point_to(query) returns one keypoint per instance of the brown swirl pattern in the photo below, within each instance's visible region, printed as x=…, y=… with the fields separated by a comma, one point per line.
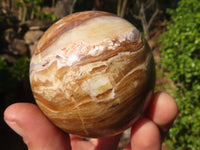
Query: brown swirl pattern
x=92, y=74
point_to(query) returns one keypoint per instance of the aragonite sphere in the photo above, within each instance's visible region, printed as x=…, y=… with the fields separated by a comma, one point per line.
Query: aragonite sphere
x=92, y=74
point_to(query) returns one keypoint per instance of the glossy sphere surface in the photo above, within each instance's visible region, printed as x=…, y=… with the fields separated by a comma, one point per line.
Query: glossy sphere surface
x=92, y=74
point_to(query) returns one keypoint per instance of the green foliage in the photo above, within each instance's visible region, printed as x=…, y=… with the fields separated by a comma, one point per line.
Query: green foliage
x=32, y=9
x=10, y=76
x=47, y=17
x=2, y=63
x=20, y=69
x=180, y=52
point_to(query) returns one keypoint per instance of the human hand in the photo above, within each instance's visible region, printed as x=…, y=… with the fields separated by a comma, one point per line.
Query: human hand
x=40, y=134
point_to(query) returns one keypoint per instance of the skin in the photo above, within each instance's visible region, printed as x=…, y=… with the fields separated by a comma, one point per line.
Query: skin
x=39, y=133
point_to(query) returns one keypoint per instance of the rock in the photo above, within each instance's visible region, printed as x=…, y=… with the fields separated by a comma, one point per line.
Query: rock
x=31, y=38
x=19, y=47
x=10, y=59
x=39, y=25
x=9, y=35
x=125, y=139
x=64, y=8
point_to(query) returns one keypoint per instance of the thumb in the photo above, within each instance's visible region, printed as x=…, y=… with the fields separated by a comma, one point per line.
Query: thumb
x=37, y=131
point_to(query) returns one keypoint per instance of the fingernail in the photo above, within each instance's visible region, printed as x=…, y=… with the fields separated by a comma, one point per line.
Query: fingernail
x=15, y=127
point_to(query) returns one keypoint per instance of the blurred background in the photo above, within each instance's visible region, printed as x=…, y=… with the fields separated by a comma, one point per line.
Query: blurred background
x=172, y=28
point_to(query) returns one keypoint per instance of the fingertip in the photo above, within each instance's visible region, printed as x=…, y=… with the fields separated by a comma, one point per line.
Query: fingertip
x=145, y=135
x=163, y=109
x=13, y=116
x=13, y=111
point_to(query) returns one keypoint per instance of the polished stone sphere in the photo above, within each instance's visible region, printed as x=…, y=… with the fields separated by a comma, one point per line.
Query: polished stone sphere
x=92, y=74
